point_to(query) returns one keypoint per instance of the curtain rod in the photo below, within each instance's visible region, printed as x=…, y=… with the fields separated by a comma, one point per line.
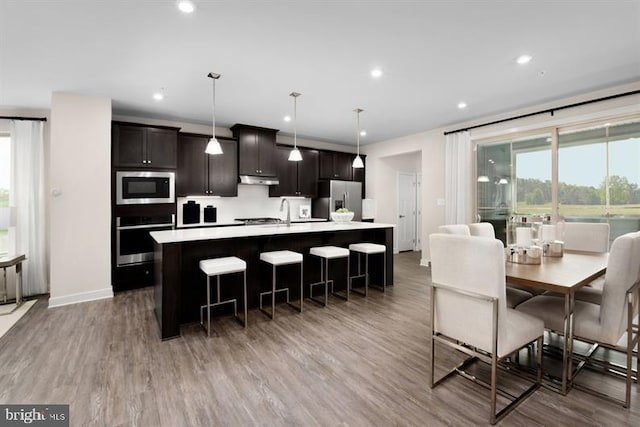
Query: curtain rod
x=35, y=119
x=549, y=110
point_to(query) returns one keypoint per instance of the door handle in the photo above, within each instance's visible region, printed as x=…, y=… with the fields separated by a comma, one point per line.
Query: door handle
x=400, y=216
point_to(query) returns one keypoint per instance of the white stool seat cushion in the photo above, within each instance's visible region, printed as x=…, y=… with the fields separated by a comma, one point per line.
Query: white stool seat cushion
x=281, y=257
x=329, y=252
x=367, y=248
x=225, y=265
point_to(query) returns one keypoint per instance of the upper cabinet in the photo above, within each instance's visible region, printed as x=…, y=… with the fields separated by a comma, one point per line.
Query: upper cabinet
x=142, y=146
x=336, y=165
x=203, y=174
x=256, y=150
x=296, y=178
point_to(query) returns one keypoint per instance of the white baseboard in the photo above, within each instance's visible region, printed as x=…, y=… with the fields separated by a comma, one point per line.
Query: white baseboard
x=424, y=262
x=81, y=297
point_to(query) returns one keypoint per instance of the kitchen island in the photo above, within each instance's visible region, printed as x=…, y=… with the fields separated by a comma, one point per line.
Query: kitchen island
x=180, y=286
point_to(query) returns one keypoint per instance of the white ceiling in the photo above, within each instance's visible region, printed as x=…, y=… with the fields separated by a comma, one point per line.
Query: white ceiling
x=434, y=54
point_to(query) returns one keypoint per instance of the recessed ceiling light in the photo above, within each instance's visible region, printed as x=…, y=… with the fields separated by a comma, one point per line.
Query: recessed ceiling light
x=158, y=96
x=186, y=6
x=462, y=105
x=363, y=133
x=523, y=59
x=376, y=72
x=287, y=118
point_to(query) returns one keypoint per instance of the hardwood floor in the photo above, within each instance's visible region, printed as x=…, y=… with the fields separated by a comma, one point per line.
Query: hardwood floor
x=357, y=363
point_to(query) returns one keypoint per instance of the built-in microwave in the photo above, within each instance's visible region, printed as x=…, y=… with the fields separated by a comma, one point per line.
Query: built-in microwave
x=135, y=187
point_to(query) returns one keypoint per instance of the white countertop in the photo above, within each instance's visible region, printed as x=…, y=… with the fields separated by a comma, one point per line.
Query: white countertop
x=210, y=224
x=228, y=223
x=214, y=233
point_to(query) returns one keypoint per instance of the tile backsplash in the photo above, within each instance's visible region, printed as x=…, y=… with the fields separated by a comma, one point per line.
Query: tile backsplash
x=252, y=201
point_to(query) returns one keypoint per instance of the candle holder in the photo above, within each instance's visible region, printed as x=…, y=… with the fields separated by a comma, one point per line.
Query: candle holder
x=519, y=255
x=553, y=249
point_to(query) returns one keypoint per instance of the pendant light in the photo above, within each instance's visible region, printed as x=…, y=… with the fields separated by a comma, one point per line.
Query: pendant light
x=213, y=147
x=357, y=162
x=295, y=155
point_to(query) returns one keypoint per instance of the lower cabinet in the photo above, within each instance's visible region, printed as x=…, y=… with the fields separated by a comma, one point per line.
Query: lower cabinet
x=203, y=174
x=296, y=178
x=132, y=277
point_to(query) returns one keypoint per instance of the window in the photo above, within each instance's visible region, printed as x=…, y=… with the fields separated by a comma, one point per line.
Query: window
x=599, y=171
x=514, y=177
x=5, y=175
x=598, y=176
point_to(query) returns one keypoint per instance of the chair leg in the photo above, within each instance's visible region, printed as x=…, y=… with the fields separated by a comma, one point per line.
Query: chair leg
x=301, y=286
x=245, y=299
x=494, y=387
x=326, y=280
x=209, y=305
x=273, y=292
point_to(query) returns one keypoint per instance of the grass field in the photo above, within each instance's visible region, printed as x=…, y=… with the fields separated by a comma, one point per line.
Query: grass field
x=579, y=210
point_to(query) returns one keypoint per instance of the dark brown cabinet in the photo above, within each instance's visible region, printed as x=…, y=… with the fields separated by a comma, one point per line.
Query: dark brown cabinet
x=336, y=165
x=203, y=174
x=296, y=178
x=144, y=146
x=358, y=173
x=256, y=150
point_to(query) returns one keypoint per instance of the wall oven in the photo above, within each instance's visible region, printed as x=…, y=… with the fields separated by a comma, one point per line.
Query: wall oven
x=137, y=187
x=134, y=245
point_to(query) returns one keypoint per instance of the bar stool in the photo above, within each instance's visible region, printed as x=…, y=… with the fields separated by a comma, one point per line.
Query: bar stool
x=276, y=258
x=217, y=267
x=326, y=253
x=368, y=249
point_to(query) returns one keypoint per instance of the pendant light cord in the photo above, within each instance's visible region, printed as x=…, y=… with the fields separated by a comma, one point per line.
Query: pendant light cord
x=213, y=108
x=295, y=122
x=358, y=132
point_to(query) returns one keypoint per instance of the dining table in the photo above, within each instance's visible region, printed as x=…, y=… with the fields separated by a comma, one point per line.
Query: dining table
x=563, y=275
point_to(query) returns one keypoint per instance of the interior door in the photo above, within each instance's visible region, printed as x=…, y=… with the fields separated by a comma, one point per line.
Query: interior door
x=406, y=211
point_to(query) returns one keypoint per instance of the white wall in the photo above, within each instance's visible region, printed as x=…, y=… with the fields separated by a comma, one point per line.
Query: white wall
x=432, y=146
x=80, y=216
x=381, y=179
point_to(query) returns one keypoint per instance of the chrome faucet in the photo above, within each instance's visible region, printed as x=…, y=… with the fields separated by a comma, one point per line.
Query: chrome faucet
x=288, y=220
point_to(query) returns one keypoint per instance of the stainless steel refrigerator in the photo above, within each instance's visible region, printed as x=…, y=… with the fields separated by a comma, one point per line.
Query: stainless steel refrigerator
x=333, y=195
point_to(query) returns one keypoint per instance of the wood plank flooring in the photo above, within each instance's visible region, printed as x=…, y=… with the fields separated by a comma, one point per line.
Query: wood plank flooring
x=357, y=363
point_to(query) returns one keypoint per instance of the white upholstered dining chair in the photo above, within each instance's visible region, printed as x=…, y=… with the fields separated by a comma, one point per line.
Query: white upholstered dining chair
x=588, y=237
x=584, y=236
x=606, y=323
x=515, y=295
x=469, y=310
x=482, y=229
x=460, y=229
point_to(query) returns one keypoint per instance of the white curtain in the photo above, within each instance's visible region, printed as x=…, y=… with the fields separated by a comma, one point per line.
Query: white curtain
x=27, y=196
x=458, y=180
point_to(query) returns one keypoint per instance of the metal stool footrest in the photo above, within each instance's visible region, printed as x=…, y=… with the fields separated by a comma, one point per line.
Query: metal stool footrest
x=214, y=304
x=269, y=293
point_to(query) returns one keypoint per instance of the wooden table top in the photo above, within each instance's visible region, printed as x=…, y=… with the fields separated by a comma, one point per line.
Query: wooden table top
x=559, y=274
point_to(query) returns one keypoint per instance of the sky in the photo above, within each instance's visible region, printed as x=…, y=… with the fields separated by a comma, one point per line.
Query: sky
x=584, y=165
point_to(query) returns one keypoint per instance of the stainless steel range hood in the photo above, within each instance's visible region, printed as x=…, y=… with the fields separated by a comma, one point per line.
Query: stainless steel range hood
x=259, y=180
